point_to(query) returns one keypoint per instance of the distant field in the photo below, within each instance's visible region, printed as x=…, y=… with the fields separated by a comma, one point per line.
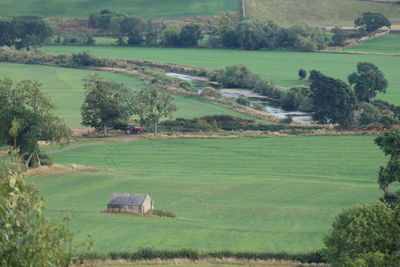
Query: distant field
x=64, y=86
x=277, y=66
x=389, y=44
x=256, y=194
x=144, y=8
x=319, y=12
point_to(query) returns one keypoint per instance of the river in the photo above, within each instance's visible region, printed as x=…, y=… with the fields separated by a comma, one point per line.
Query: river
x=199, y=83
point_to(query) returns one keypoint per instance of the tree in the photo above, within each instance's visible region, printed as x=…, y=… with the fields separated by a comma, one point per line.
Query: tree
x=171, y=36
x=133, y=27
x=24, y=31
x=334, y=101
x=338, y=38
x=152, y=105
x=390, y=144
x=250, y=35
x=226, y=30
x=27, y=238
x=302, y=74
x=366, y=234
x=105, y=103
x=190, y=35
x=27, y=117
x=370, y=22
x=368, y=80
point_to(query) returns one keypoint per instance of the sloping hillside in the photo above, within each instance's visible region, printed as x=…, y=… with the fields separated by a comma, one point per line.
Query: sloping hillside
x=320, y=12
x=144, y=8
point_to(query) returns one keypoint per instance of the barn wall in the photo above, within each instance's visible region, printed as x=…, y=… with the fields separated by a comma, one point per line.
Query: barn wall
x=122, y=208
x=147, y=204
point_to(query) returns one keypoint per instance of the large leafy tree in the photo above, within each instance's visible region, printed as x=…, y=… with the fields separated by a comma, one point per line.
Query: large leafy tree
x=365, y=235
x=390, y=175
x=190, y=35
x=24, y=31
x=334, y=101
x=370, y=22
x=27, y=238
x=27, y=116
x=105, y=103
x=250, y=34
x=152, y=105
x=368, y=80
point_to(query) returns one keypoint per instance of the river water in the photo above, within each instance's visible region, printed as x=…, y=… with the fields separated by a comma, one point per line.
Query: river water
x=199, y=83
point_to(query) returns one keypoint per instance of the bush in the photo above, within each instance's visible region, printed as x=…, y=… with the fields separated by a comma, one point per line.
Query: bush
x=362, y=230
x=84, y=59
x=238, y=76
x=259, y=106
x=290, y=101
x=211, y=92
x=243, y=101
x=302, y=74
x=287, y=120
x=161, y=213
x=267, y=89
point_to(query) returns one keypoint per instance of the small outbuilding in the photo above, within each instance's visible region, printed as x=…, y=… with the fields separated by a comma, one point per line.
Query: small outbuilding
x=130, y=203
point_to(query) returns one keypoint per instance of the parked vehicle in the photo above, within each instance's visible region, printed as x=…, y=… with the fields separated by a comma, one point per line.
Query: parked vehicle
x=132, y=129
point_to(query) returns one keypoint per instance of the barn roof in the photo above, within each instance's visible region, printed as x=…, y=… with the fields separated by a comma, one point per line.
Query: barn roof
x=127, y=199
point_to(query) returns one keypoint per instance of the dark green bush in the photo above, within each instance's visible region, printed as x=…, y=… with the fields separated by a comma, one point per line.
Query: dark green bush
x=238, y=76
x=84, y=59
x=212, y=92
x=161, y=213
x=243, y=101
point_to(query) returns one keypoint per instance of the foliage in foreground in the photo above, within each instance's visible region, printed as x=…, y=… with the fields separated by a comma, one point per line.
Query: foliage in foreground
x=27, y=238
x=151, y=253
x=367, y=234
x=27, y=116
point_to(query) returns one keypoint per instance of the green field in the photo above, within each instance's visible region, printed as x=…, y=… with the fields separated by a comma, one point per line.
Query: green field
x=277, y=66
x=255, y=194
x=64, y=86
x=319, y=12
x=144, y=8
x=389, y=44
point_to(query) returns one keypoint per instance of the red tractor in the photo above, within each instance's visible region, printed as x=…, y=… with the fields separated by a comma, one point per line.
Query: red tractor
x=132, y=129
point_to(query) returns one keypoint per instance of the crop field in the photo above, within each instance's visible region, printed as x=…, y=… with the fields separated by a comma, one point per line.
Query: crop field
x=277, y=66
x=245, y=194
x=389, y=44
x=64, y=86
x=144, y=8
x=319, y=12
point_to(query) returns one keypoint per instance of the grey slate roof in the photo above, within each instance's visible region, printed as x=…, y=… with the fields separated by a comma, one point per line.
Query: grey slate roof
x=127, y=199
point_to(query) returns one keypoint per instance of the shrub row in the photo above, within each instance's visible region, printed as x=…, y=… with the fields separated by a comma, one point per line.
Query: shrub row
x=227, y=123
x=150, y=253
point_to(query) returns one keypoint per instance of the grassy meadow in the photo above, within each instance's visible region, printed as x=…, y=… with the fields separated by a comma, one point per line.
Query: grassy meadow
x=144, y=8
x=64, y=86
x=388, y=44
x=281, y=67
x=319, y=12
x=245, y=194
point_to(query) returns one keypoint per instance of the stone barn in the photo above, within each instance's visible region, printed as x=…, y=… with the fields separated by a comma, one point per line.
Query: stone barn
x=127, y=203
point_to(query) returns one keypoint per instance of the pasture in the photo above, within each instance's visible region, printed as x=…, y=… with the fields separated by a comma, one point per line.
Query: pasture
x=144, y=8
x=245, y=194
x=281, y=67
x=64, y=86
x=388, y=44
x=320, y=12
